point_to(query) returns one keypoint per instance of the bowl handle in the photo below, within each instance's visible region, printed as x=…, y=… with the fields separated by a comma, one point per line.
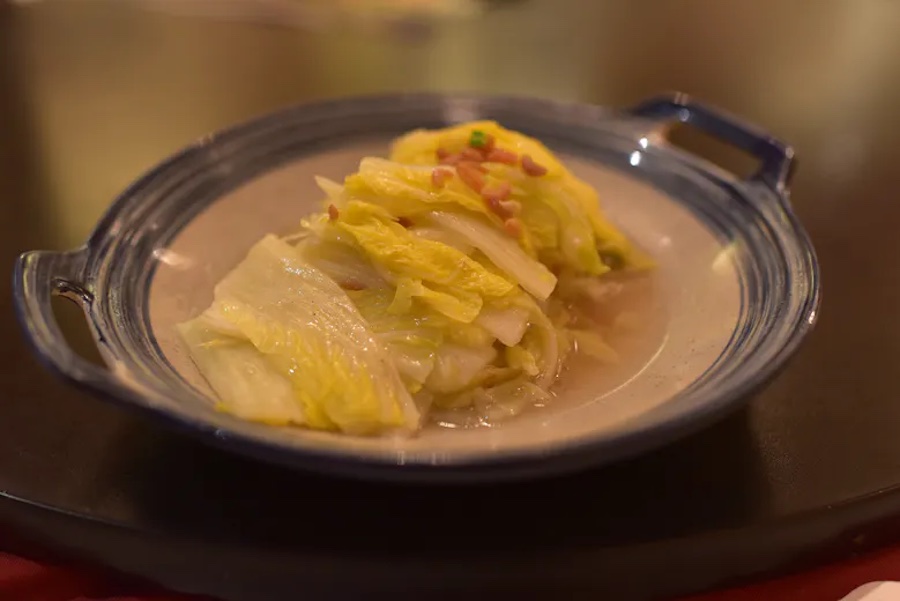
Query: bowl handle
x=776, y=157
x=38, y=276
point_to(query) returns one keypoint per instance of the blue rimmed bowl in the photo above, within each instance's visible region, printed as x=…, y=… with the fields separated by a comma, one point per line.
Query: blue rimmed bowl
x=737, y=281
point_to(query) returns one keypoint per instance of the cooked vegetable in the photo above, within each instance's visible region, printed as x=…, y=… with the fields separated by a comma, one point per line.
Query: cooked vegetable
x=502, y=250
x=308, y=337
x=441, y=275
x=478, y=139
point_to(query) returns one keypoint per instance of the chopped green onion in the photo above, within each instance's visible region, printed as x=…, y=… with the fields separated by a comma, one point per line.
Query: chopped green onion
x=478, y=139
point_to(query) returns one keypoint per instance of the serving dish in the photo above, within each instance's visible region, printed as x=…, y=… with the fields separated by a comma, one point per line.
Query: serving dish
x=737, y=274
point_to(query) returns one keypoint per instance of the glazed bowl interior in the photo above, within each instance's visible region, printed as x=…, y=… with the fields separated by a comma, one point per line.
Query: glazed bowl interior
x=696, y=309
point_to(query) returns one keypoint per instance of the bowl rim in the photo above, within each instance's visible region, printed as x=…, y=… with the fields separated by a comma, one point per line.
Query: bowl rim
x=66, y=273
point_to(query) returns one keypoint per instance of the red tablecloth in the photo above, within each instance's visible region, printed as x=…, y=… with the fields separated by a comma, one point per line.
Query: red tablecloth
x=29, y=580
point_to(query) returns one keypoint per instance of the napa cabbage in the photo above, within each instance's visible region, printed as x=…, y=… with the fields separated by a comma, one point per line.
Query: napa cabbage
x=437, y=277
x=299, y=344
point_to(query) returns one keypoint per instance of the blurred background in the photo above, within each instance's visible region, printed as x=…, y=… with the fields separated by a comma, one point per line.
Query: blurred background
x=101, y=90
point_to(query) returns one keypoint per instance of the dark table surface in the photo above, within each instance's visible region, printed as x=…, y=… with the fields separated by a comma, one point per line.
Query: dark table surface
x=94, y=93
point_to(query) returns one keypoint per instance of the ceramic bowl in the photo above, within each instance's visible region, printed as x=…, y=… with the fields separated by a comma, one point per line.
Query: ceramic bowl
x=737, y=279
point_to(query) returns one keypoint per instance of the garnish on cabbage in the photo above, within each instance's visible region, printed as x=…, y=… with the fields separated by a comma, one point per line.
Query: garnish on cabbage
x=433, y=280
